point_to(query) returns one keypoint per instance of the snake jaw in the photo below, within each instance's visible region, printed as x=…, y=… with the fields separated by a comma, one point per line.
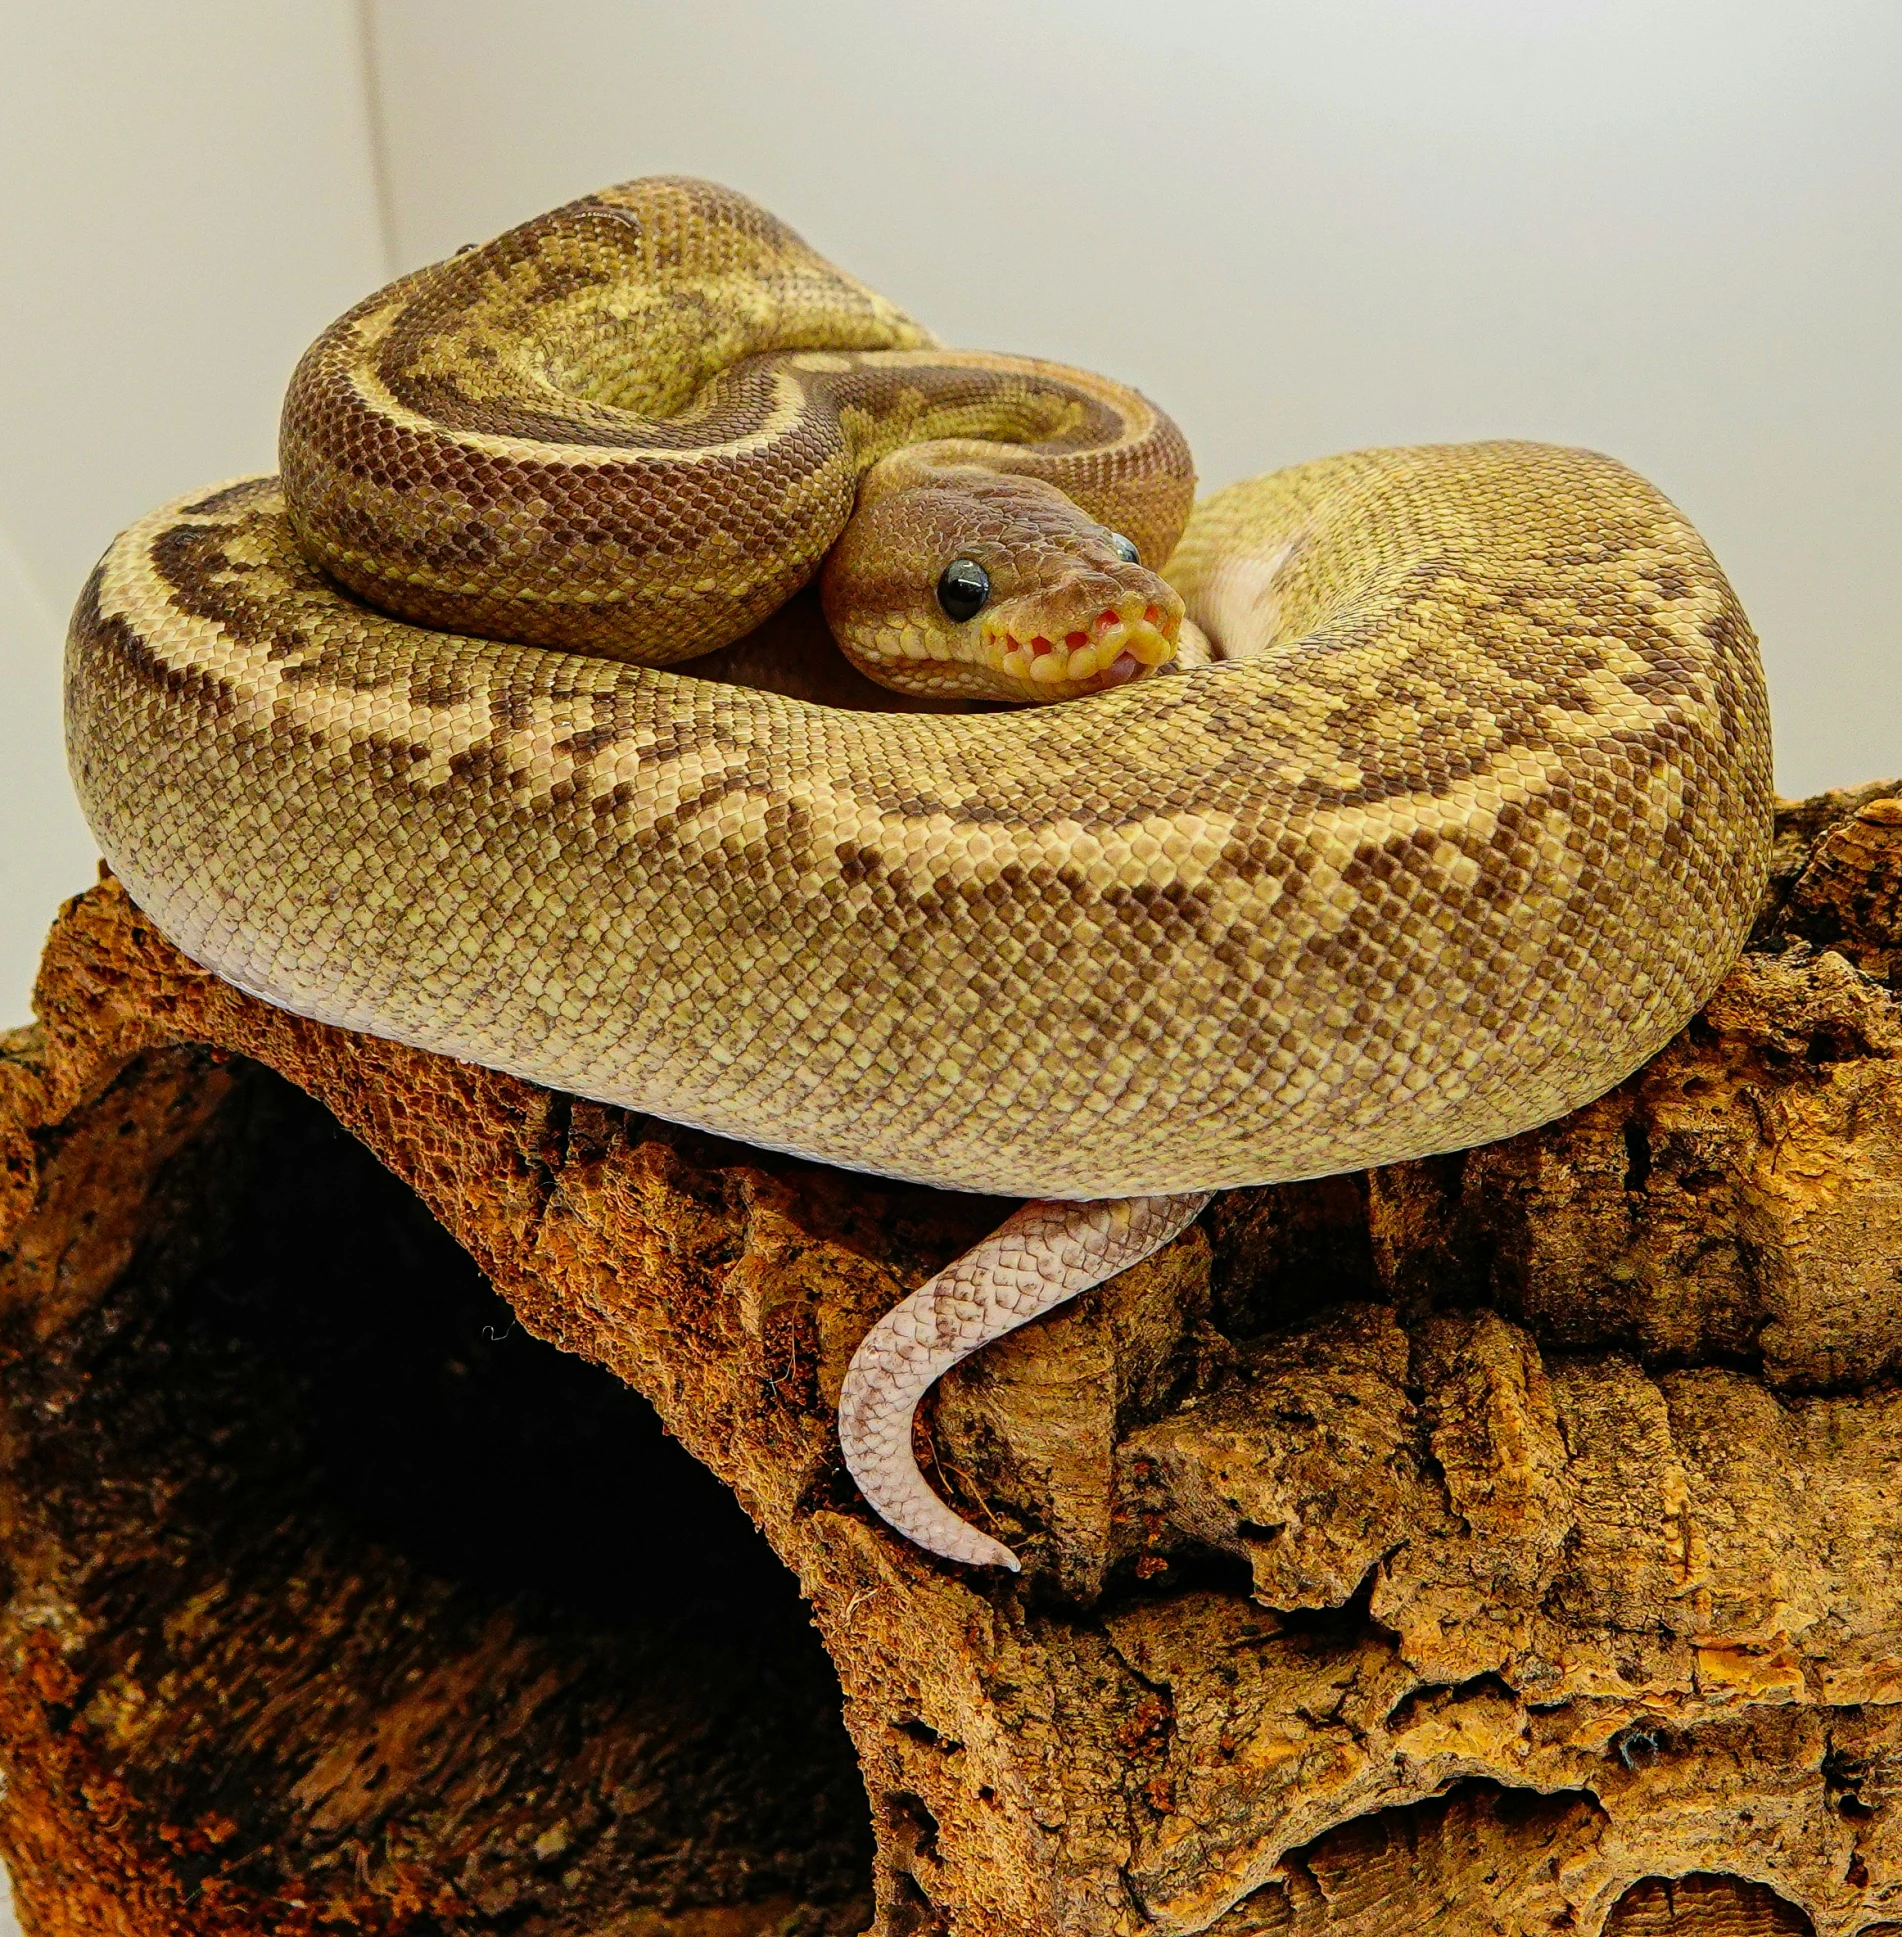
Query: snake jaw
x=1045, y=658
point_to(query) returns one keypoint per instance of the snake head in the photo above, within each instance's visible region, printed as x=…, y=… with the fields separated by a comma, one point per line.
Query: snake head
x=969, y=582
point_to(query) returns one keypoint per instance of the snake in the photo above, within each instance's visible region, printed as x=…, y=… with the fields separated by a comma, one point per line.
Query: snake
x=1135, y=848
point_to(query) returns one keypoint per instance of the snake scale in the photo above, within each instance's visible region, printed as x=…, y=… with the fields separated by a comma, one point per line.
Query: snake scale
x=1397, y=802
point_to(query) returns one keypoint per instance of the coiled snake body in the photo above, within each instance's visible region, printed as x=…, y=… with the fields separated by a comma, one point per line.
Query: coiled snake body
x=1452, y=808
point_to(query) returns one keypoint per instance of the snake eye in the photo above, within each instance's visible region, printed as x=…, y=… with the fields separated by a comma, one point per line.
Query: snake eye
x=963, y=586
x=1125, y=548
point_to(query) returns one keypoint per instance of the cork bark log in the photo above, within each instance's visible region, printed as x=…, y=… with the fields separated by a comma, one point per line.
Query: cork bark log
x=1506, y=1543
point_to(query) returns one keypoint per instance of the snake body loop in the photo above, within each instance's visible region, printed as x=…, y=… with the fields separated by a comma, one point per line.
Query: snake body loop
x=636, y=425
x=1467, y=815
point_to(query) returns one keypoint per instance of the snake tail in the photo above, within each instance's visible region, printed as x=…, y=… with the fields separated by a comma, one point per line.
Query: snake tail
x=1040, y=1257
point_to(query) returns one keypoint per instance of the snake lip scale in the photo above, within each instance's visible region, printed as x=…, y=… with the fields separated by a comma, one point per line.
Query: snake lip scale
x=1423, y=796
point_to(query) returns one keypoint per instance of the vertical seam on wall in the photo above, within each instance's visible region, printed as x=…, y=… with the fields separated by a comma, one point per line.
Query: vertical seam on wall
x=376, y=121
x=41, y=613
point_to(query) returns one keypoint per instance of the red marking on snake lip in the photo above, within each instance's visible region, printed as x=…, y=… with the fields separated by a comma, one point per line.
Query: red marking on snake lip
x=1040, y=645
x=1075, y=639
x=1152, y=615
x=1107, y=618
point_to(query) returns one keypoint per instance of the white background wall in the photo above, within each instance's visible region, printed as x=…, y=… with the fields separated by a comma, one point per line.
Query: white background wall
x=1668, y=228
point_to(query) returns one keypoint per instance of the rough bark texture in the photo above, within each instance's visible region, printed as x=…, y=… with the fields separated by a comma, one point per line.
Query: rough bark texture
x=1504, y=1543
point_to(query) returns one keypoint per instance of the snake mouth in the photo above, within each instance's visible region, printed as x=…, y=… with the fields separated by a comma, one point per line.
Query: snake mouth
x=1118, y=644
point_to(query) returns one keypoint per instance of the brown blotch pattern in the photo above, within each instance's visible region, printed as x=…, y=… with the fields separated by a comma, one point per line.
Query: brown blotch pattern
x=1473, y=828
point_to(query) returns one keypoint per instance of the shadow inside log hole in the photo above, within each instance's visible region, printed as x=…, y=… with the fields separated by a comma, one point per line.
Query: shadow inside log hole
x=380, y=1604
x=1704, y=1905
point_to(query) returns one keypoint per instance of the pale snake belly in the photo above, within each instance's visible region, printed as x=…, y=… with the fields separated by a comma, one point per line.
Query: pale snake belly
x=1463, y=814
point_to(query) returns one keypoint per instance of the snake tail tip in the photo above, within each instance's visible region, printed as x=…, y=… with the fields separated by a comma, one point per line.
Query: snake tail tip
x=994, y=1554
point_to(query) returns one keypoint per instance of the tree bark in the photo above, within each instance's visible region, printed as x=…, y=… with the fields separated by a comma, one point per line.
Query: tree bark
x=1504, y=1543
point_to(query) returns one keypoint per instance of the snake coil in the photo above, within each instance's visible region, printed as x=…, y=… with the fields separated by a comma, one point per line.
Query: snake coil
x=1463, y=816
